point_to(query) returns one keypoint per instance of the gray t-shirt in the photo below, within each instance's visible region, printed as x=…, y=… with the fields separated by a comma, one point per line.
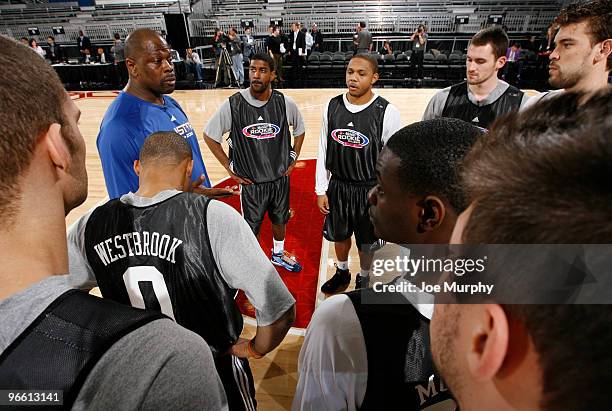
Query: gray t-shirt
x=416, y=44
x=151, y=368
x=241, y=261
x=435, y=107
x=542, y=97
x=118, y=51
x=364, y=39
x=221, y=122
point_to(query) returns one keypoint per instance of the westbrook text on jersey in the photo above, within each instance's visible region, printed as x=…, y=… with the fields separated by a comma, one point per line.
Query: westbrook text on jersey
x=140, y=244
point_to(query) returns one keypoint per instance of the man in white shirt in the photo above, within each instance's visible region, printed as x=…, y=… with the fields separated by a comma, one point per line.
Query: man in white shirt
x=369, y=350
x=356, y=125
x=194, y=64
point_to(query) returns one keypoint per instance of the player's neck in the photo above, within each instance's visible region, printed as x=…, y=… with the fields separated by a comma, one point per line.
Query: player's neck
x=144, y=94
x=591, y=83
x=482, y=90
x=361, y=100
x=153, y=183
x=34, y=246
x=263, y=96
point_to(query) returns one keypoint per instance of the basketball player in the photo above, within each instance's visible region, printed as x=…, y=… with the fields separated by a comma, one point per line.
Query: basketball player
x=183, y=254
x=261, y=156
x=359, y=355
x=102, y=355
x=141, y=109
x=582, y=58
x=483, y=97
x=543, y=177
x=356, y=125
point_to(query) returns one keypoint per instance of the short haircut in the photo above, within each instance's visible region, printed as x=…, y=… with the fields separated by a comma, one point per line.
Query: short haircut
x=166, y=146
x=597, y=14
x=431, y=153
x=496, y=37
x=117, y=36
x=265, y=58
x=135, y=43
x=369, y=58
x=543, y=177
x=51, y=37
x=28, y=109
x=362, y=24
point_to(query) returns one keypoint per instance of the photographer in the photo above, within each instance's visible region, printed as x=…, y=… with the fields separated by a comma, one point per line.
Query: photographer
x=419, y=41
x=237, y=57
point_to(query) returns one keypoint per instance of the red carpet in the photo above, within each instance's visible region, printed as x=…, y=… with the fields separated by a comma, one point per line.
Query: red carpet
x=304, y=240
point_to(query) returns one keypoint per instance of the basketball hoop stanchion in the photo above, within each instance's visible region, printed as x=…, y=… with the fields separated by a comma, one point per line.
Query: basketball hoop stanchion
x=226, y=61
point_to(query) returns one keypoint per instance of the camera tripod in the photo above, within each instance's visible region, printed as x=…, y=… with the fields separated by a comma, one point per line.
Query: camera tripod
x=225, y=63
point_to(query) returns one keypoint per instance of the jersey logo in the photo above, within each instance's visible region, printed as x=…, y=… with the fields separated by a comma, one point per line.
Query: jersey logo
x=475, y=120
x=350, y=138
x=261, y=131
x=172, y=118
x=350, y=124
x=185, y=130
x=260, y=118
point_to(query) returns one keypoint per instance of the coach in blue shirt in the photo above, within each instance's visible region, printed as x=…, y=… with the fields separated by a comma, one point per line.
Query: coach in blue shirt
x=143, y=108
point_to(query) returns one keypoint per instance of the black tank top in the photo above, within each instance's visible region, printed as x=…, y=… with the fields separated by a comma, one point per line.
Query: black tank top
x=458, y=105
x=64, y=343
x=354, y=140
x=401, y=373
x=259, y=141
x=159, y=257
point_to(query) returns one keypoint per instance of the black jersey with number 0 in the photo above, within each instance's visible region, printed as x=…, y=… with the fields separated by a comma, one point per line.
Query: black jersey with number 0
x=260, y=140
x=159, y=257
x=354, y=140
x=458, y=105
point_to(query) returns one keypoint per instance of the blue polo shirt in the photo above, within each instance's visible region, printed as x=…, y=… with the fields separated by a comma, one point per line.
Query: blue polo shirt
x=126, y=124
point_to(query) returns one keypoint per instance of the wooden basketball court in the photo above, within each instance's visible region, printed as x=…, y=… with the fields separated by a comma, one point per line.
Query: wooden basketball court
x=275, y=374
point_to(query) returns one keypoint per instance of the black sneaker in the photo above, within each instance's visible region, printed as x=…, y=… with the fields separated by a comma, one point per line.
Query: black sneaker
x=338, y=283
x=362, y=282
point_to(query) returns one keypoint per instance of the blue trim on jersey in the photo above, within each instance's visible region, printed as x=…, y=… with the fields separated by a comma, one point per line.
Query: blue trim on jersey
x=126, y=124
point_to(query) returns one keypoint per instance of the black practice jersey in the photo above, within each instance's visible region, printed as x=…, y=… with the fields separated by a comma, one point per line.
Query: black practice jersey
x=260, y=140
x=458, y=105
x=159, y=257
x=401, y=374
x=354, y=140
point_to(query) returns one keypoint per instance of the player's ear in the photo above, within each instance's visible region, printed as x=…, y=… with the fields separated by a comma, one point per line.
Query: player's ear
x=488, y=341
x=604, y=52
x=374, y=78
x=431, y=214
x=131, y=67
x=56, y=146
x=137, y=167
x=189, y=170
x=501, y=62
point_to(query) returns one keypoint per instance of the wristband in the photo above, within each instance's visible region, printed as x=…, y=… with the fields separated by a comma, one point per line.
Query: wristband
x=252, y=351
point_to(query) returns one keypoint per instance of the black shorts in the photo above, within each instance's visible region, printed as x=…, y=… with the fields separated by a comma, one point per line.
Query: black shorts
x=237, y=379
x=348, y=213
x=259, y=198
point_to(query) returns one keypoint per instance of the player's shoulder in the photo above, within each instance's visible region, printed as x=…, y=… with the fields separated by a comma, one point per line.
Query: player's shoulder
x=332, y=312
x=172, y=101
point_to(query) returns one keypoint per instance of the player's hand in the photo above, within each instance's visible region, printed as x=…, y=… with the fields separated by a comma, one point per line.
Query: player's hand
x=241, y=180
x=291, y=167
x=323, y=204
x=217, y=192
x=241, y=348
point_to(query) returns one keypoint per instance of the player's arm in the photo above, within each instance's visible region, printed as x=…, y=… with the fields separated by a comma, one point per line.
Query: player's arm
x=299, y=130
x=435, y=107
x=219, y=124
x=244, y=266
x=322, y=174
x=391, y=122
x=80, y=273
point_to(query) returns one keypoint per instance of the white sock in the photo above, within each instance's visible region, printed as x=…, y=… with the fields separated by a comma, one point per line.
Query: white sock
x=279, y=246
x=364, y=273
x=343, y=265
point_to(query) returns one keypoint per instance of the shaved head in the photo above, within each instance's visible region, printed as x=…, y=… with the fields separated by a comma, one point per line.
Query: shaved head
x=143, y=41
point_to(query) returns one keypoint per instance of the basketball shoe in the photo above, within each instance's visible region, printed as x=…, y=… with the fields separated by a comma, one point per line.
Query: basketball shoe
x=287, y=261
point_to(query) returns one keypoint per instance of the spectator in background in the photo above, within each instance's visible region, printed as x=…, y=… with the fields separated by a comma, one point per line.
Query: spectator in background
x=364, y=38
x=297, y=48
x=37, y=48
x=101, y=56
x=309, y=41
x=25, y=41
x=83, y=43
x=514, y=63
x=419, y=43
x=237, y=57
x=386, y=48
x=275, y=50
x=267, y=40
x=248, y=42
x=194, y=65
x=118, y=51
x=55, y=52
x=546, y=48
x=317, y=37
